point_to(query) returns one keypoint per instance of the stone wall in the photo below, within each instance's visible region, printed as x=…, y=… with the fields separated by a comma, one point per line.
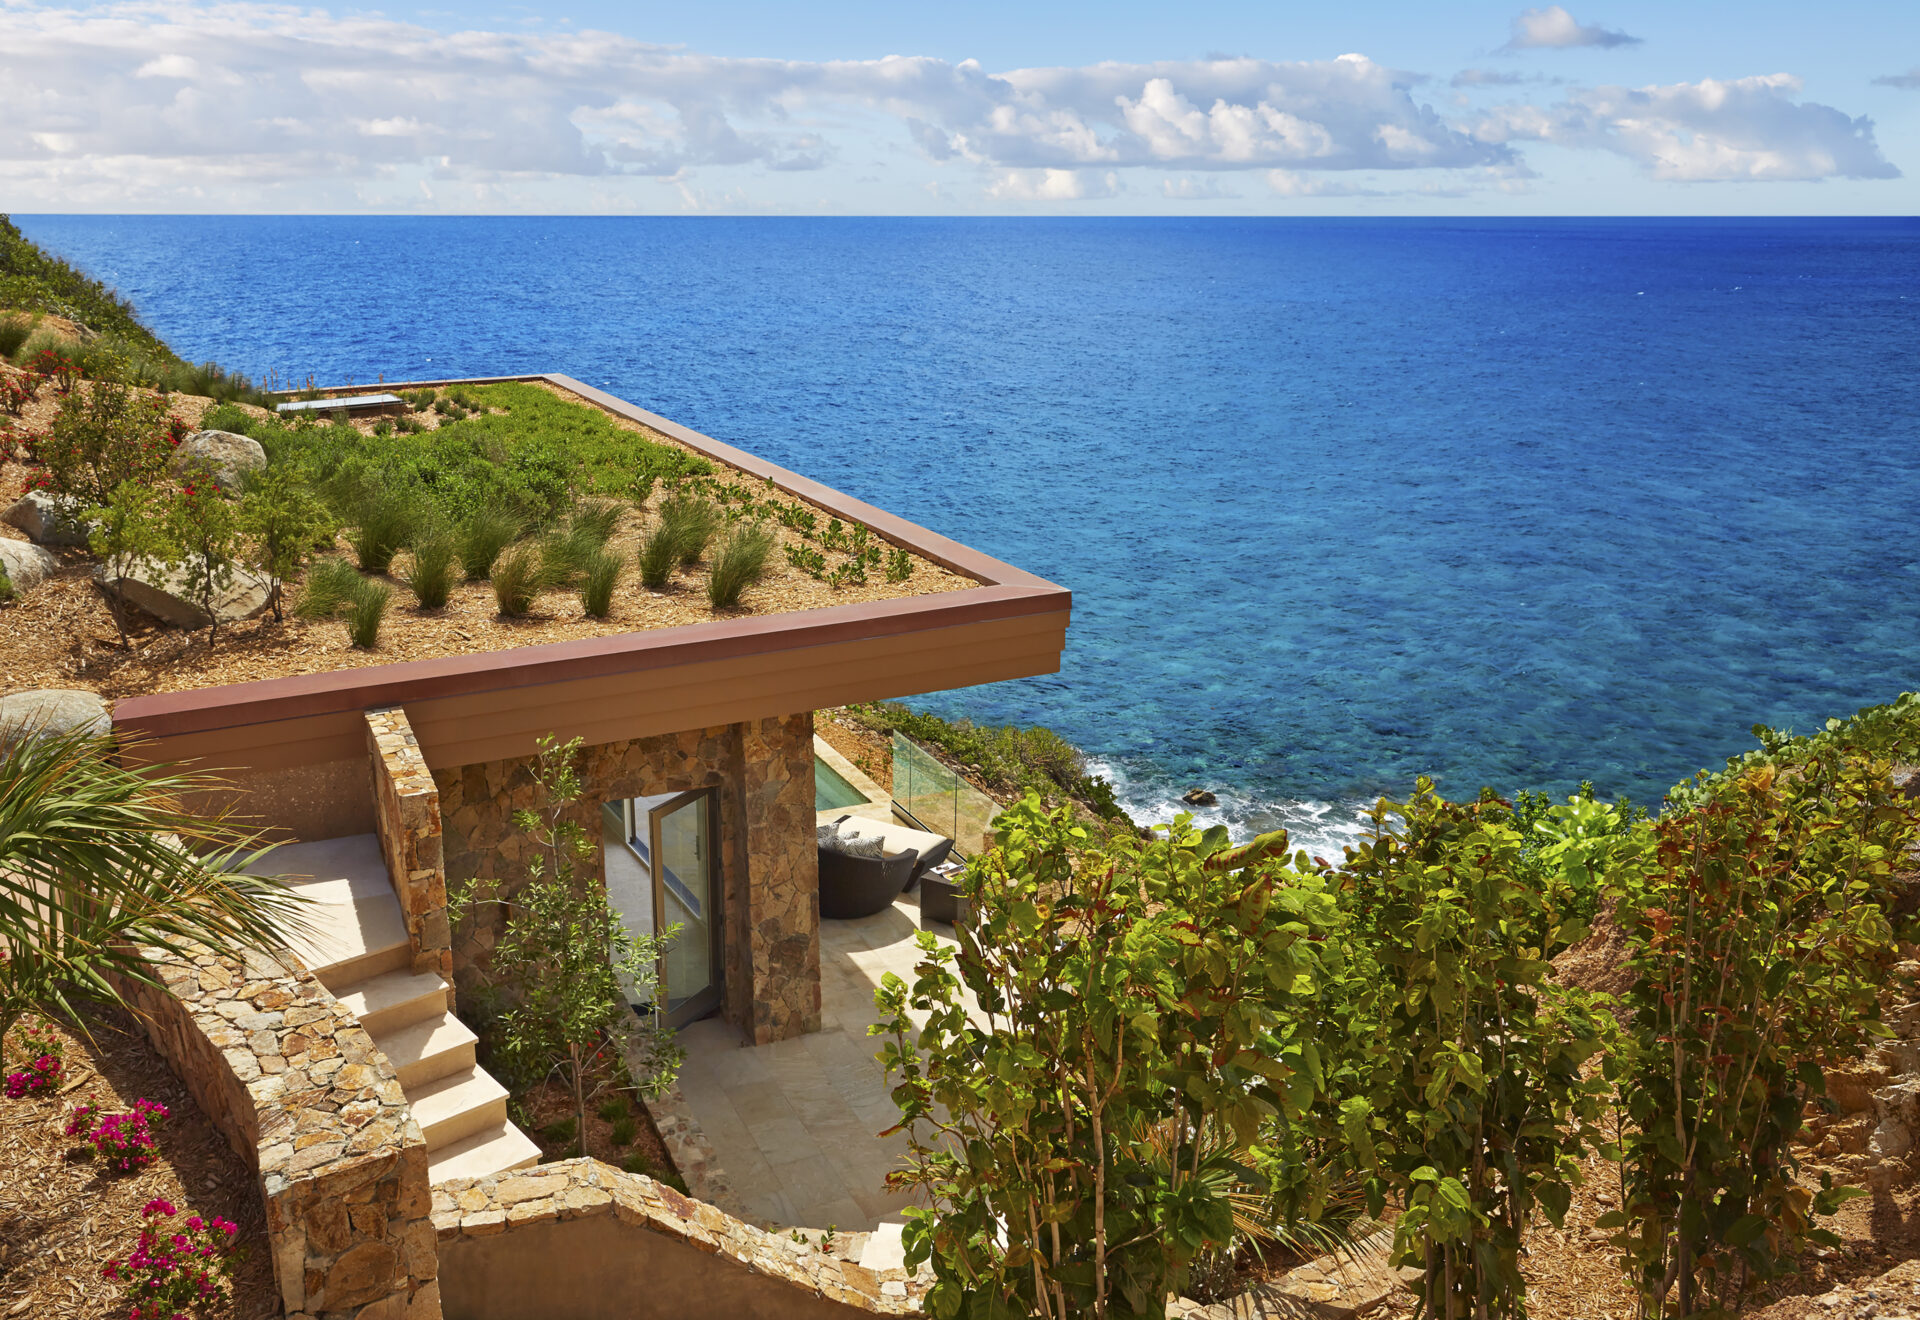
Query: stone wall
x=762, y=774
x=407, y=818
x=581, y=1240
x=299, y=1089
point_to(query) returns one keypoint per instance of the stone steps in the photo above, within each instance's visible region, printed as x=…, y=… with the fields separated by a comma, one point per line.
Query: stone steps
x=358, y=948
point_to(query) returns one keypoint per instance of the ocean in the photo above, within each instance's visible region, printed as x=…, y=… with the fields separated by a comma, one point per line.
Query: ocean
x=1341, y=502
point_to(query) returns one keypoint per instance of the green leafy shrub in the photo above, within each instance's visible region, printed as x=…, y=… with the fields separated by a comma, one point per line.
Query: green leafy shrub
x=899, y=565
x=740, y=561
x=1757, y=921
x=1143, y=1008
x=690, y=521
x=482, y=536
x=284, y=522
x=808, y=561
x=202, y=524
x=430, y=575
x=7, y=593
x=518, y=577
x=101, y=437
x=1465, y=1051
x=598, y=582
x=129, y=528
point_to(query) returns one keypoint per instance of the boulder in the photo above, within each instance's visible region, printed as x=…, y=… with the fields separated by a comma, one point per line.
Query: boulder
x=1198, y=797
x=226, y=456
x=48, y=520
x=162, y=591
x=27, y=564
x=51, y=710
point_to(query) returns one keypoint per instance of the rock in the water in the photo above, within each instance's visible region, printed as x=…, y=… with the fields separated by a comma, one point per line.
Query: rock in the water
x=1198, y=797
x=51, y=710
x=27, y=564
x=225, y=455
x=48, y=520
x=163, y=592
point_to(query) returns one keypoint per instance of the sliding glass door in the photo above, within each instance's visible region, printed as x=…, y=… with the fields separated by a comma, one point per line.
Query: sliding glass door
x=662, y=872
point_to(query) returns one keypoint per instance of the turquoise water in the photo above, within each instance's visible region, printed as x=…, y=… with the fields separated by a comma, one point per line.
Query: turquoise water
x=831, y=789
x=1507, y=502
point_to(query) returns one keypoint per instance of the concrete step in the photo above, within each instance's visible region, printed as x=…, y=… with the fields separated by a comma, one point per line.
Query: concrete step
x=357, y=930
x=453, y=1108
x=392, y=1000
x=491, y=1150
x=427, y=1050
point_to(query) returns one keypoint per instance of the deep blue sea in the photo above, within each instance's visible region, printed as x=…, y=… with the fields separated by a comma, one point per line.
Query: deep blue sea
x=1341, y=502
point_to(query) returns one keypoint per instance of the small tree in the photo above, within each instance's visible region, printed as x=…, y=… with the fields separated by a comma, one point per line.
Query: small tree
x=129, y=529
x=565, y=962
x=1146, y=1006
x=283, y=522
x=102, y=436
x=202, y=525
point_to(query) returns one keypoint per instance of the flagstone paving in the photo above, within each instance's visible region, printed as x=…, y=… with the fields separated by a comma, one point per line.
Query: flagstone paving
x=795, y=1124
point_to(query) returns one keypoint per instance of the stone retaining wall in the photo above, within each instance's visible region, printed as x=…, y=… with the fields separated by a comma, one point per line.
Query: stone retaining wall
x=299, y=1089
x=579, y=1240
x=406, y=808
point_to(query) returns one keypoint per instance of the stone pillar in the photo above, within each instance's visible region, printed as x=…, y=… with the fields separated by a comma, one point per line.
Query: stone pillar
x=783, y=876
x=406, y=808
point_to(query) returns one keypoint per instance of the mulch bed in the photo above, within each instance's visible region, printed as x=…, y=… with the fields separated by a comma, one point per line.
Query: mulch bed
x=62, y=1218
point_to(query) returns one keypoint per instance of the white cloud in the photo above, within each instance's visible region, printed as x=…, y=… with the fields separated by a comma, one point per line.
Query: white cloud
x=1553, y=28
x=1187, y=188
x=1053, y=185
x=159, y=104
x=1908, y=81
x=1742, y=129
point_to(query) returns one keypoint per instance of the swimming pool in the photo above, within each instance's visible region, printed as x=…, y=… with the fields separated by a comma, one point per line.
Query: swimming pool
x=831, y=789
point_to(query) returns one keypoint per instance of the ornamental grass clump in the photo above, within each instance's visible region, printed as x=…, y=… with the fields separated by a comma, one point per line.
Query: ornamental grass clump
x=430, y=575
x=479, y=540
x=178, y=1270
x=598, y=582
x=657, y=555
x=518, y=578
x=380, y=525
x=124, y=1143
x=366, y=611
x=334, y=590
x=740, y=561
x=690, y=522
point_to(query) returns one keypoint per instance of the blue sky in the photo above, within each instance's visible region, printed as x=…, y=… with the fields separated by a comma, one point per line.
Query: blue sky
x=994, y=107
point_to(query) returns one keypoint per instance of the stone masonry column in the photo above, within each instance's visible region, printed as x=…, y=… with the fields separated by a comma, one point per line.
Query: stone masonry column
x=783, y=877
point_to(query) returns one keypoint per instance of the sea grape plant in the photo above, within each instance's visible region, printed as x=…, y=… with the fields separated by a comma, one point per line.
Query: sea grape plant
x=1759, y=941
x=1462, y=1091
x=1144, y=1007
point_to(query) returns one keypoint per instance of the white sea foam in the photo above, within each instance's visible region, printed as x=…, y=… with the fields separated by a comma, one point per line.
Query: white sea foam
x=1324, y=829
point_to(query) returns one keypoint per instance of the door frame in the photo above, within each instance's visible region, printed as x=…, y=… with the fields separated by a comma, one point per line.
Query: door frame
x=708, y=1000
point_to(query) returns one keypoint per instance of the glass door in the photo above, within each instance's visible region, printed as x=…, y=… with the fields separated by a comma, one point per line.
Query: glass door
x=661, y=874
x=686, y=894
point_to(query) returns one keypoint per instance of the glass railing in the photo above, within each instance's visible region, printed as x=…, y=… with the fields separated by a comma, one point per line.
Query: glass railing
x=938, y=799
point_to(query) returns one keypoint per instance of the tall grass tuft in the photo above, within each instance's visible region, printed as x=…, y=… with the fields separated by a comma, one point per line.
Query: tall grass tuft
x=431, y=575
x=693, y=520
x=597, y=583
x=657, y=555
x=740, y=561
x=482, y=537
x=380, y=524
x=330, y=584
x=518, y=577
x=366, y=611
x=14, y=330
x=593, y=521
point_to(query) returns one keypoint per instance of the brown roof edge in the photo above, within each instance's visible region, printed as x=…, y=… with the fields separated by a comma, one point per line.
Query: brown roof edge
x=948, y=553
x=302, y=695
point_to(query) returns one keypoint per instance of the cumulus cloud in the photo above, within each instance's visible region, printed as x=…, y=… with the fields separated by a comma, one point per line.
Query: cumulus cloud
x=1187, y=188
x=151, y=104
x=1487, y=78
x=1553, y=28
x=1742, y=129
x=1908, y=81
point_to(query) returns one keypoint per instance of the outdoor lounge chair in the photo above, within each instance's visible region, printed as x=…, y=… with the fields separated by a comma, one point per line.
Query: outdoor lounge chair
x=861, y=886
